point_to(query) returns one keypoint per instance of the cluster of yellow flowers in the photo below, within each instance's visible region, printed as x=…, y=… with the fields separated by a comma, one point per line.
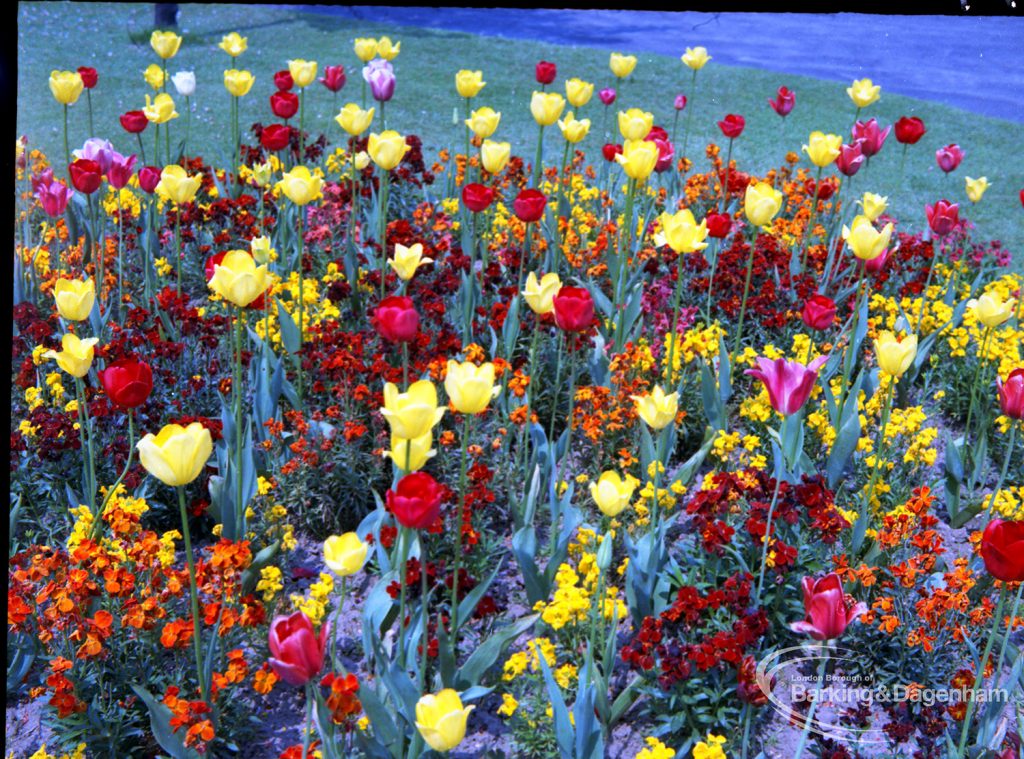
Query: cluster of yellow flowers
x=655, y=750
x=315, y=604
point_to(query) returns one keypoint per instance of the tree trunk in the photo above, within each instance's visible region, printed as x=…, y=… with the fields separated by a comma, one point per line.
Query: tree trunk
x=165, y=15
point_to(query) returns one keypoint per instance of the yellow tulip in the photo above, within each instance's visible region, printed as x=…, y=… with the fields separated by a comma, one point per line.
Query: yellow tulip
x=238, y=83
x=176, y=455
x=495, y=155
x=612, y=493
x=895, y=356
x=638, y=159
x=540, y=296
x=262, y=172
x=154, y=75
x=991, y=310
x=303, y=72
x=546, y=107
x=696, y=58
x=161, y=109
x=574, y=130
x=165, y=44
x=469, y=83
x=470, y=387
x=408, y=260
x=874, y=205
x=657, y=409
x=176, y=185
x=578, y=92
x=761, y=203
x=863, y=92
x=345, y=554
x=413, y=413
x=823, y=148
x=238, y=279
x=976, y=188
x=483, y=122
x=74, y=298
x=441, y=719
x=622, y=65
x=365, y=48
x=864, y=240
x=66, y=86
x=354, y=119
x=234, y=44
x=387, y=50
x=75, y=356
x=262, y=252
x=635, y=124
x=300, y=186
x=681, y=232
x=362, y=160
x=411, y=455
x=387, y=149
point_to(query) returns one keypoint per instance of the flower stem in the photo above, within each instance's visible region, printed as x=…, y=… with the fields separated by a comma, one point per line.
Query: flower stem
x=814, y=706
x=467, y=420
x=193, y=594
x=746, y=293
x=997, y=620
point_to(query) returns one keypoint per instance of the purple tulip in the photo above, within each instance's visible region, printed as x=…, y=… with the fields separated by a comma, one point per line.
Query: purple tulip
x=380, y=75
x=789, y=383
x=607, y=95
x=870, y=137
x=98, y=150
x=120, y=170
x=53, y=196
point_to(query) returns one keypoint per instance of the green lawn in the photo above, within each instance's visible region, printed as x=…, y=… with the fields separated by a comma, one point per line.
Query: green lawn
x=68, y=35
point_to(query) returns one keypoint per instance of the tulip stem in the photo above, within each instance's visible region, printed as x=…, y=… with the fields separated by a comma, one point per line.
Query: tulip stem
x=849, y=355
x=556, y=512
x=689, y=114
x=335, y=667
x=85, y=434
x=997, y=620
x=236, y=387
x=120, y=245
x=725, y=185
x=405, y=537
x=538, y=158
x=1002, y=474
x=423, y=662
x=67, y=151
x=302, y=299
x=466, y=172
x=113, y=488
x=810, y=224
x=746, y=293
x=193, y=594
x=309, y=720
x=656, y=482
x=178, y=246
x=768, y=533
x=382, y=213
x=670, y=365
x=711, y=281
x=974, y=386
x=523, y=256
x=302, y=124
x=814, y=705
x=624, y=251
x=460, y=515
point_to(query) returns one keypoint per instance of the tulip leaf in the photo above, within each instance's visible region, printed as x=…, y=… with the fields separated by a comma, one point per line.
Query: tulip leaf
x=468, y=604
x=384, y=726
x=160, y=722
x=487, y=653
x=845, y=443
x=564, y=730
x=524, y=547
x=289, y=330
x=589, y=741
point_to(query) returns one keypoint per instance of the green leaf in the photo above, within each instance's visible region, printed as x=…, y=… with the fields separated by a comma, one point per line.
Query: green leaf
x=160, y=722
x=289, y=330
x=487, y=653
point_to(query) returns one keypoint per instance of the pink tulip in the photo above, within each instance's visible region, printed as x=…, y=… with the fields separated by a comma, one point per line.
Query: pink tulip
x=333, y=78
x=296, y=654
x=607, y=95
x=850, y=159
x=828, y=611
x=875, y=266
x=789, y=383
x=98, y=150
x=1011, y=394
x=942, y=217
x=54, y=197
x=870, y=137
x=380, y=75
x=949, y=157
x=120, y=170
x=784, y=101
x=680, y=102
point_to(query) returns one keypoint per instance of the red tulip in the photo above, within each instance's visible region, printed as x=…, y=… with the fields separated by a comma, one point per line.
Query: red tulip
x=610, y=150
x=870, y=137
x=732, y=125
x=477, y=197
x=276, y=137
x=909, y=129
x=828, y=610
x=283, y=80
x=333, y=78
x=850, y=159
x=89, y=76
x=574, y=309
x=942, y=217
x=825, y=190
x=1011, y=394
x=134, y=121
x=296, y=652
x=396, y=319
x=1002, y=548
x=789, y=383
x=120, y=170
x=529, y=205
x=416, y=500
x=719, y=225
x=284, y=104
x=819, y=312
x=149, y=178
x=680, y=102
x=784, y=101
x=949, y=157
x=546, y=72
x=127, y=382
x=1022, y=197
x=86, y=175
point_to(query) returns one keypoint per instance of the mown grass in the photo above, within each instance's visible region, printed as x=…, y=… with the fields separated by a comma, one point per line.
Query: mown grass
x=68, y=35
